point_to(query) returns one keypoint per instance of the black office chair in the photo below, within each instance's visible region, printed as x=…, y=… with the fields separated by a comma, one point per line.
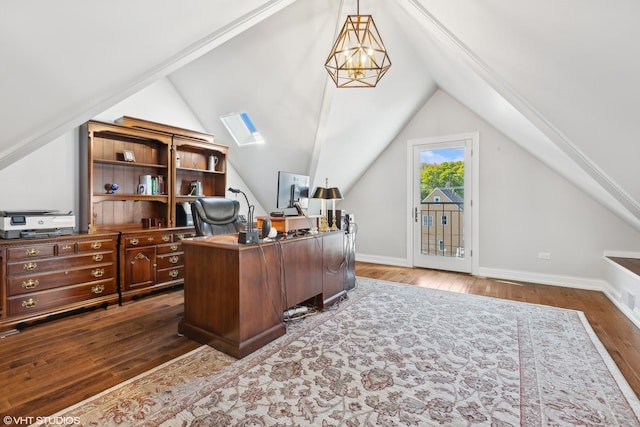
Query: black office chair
x=214, y=216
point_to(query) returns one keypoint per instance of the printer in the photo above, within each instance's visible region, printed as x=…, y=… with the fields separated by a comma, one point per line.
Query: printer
x=35, y=223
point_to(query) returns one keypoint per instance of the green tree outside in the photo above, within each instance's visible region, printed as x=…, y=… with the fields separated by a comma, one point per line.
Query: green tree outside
x=443, y=175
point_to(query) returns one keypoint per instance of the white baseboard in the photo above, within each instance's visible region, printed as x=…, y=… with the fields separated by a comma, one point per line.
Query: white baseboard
x=377, y=259
x=545, y=279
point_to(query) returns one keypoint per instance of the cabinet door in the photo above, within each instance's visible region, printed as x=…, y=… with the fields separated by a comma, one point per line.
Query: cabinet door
x=333, y=275
x=140, y=267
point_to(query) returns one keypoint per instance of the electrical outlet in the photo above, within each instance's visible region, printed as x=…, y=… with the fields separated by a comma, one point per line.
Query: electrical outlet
x=544, y=255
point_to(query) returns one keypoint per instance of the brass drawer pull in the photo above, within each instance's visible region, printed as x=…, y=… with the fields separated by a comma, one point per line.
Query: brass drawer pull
x=29, y=303
x=66, y=247
x=174, y=273
x=180, y=236
x=96, y=245
x=174, y=259
x=134, y=241
x=98, y=272
x=98, y=257
x=150, y=239
x=174, y=247
x=166, y=238
x=98, y=289
x=30, y=266
x=30, y=284
x=33, y=252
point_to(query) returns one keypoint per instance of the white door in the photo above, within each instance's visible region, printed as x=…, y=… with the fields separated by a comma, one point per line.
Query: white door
x=441, y=179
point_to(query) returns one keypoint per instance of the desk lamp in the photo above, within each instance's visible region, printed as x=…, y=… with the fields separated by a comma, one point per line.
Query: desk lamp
x=334, y=194
x=251, y=235
x=321, y=193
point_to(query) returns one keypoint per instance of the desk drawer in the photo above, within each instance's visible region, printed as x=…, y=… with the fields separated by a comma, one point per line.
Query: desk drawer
x=40, y=301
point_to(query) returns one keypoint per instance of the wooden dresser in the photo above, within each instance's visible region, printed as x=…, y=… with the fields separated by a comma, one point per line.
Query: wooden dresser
x=51, y=276
x=151, y=260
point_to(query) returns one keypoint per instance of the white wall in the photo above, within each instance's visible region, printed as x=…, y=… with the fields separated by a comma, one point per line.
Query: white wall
x=525, y=208
x=44, y=180
x=48, y=178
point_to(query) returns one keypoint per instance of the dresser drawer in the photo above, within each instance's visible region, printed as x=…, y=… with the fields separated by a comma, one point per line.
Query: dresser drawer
x=43, y=281
x=184, y=235
x=169, y=247
x=169, y=261
x=41, y=301
x=96, y=245
x=61, y=263
x=170, y=274
x=31, y=252
x=147, y=239
x=66, y=248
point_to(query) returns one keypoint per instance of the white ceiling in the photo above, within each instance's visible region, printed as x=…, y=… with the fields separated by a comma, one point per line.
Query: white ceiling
x=559, y=78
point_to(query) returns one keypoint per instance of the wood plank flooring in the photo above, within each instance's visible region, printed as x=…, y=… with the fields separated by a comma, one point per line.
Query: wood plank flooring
x=51, y=366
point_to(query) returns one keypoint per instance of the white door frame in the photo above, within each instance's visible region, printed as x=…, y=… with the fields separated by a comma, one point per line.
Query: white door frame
x=474, y=137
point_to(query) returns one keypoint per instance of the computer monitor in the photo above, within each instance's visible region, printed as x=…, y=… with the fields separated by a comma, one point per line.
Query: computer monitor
x=292, y=188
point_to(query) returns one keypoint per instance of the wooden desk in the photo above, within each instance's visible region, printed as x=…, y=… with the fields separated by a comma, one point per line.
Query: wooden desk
x=286, y=224
x=235, y=295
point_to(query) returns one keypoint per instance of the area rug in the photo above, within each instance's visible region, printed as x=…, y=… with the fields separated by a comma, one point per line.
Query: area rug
x=390, y=354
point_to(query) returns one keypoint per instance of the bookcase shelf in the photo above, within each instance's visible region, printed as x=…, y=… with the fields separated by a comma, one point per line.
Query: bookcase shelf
x=130, y=197
x=130, y=164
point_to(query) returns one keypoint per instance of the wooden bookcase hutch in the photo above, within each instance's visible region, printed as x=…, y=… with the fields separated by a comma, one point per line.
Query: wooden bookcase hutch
x=149, y=251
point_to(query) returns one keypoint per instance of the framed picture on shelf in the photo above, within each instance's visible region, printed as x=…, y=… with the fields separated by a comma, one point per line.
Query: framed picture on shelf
x=129, y=156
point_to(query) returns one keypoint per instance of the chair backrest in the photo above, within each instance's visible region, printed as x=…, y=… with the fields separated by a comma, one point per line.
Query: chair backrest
x=216, y=215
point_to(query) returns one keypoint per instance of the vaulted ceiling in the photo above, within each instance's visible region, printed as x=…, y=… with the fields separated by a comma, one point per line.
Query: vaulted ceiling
x=560, y=79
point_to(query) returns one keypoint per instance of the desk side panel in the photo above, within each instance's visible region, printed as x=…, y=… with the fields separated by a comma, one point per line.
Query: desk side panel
x=211, y=290
x=261, y=293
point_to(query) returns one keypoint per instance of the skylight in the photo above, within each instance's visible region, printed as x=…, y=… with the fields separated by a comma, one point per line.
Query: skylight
x=242, y=129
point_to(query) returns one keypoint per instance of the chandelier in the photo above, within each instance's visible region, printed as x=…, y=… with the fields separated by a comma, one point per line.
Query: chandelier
x=358, y=57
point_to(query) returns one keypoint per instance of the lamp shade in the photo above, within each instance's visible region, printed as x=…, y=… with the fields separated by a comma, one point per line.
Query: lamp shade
x=333, y=193
x=320, y=193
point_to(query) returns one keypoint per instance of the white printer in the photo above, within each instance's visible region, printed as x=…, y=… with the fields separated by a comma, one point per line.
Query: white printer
x=35, y=223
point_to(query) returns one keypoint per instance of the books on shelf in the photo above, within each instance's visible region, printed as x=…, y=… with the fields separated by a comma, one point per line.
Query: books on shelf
x=151, y=185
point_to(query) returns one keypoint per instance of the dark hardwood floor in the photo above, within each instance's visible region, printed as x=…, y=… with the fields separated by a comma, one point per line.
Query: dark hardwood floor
x=51, y=366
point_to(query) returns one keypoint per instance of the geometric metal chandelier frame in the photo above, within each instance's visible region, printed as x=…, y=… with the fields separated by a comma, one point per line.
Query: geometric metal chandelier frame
x=358, y=57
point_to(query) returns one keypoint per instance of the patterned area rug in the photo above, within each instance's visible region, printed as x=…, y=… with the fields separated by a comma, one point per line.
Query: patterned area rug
x=391, y=354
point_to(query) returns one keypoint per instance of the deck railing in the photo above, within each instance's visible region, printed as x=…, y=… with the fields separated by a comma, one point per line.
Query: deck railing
x=442, y=229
